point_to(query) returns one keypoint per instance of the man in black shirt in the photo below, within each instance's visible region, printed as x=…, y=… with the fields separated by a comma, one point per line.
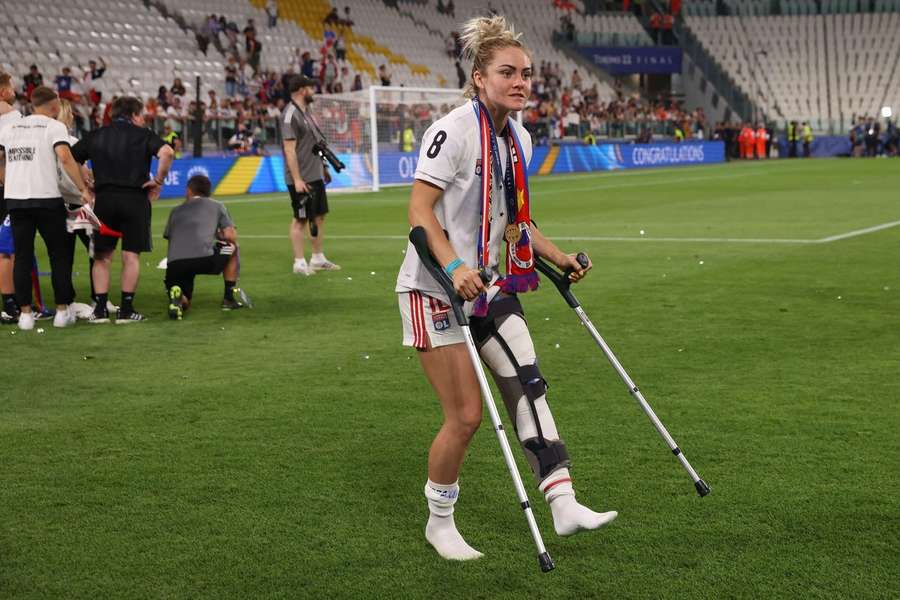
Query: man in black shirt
x=120, y=154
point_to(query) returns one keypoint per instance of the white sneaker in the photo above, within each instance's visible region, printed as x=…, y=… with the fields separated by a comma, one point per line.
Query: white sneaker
x=64, y=318
x=301, y=268
x=26, y=321
x=324, y=265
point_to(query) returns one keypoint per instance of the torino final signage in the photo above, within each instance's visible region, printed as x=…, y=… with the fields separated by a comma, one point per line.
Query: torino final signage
x=653, y=60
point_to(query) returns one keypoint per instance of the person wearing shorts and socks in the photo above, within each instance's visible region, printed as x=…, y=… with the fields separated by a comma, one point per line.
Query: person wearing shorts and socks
x=202, y=241
x=32, y=146
x=473, y=162
x=120, y=154
x=10, y=310
x=306, y=176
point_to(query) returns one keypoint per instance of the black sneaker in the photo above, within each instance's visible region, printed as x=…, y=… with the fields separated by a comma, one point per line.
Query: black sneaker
x=124, y=318
x=100, y=315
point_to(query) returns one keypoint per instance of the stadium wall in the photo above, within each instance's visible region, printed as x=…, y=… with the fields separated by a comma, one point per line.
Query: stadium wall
x=265, y=174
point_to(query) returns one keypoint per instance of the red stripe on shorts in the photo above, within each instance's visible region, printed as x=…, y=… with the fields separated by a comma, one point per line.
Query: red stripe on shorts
x=417, y=309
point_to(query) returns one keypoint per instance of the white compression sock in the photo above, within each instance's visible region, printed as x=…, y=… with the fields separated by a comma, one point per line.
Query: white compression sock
x=317, y=257
x=441, y=530
x=569, y=517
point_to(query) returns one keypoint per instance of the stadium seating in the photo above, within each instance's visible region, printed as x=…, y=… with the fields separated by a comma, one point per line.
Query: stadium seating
x=822, y=68
x=144, y=49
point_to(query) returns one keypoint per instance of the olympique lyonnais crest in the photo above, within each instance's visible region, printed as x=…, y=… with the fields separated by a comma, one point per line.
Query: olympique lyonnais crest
x=478, y=167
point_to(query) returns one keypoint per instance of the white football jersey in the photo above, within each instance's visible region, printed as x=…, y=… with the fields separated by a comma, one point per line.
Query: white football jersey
x=448, y=159
x=29, y=144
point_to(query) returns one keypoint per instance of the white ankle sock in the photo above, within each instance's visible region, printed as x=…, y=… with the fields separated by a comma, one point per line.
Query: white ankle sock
x=441, y=529
x=299, y=261
x=570, y=517
x=317, y=257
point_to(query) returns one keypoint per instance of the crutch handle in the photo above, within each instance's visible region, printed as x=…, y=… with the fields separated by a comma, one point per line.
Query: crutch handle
x=561, y=280
x=419, y=239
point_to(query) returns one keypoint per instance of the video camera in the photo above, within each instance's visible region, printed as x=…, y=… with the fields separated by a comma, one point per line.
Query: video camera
x=324, y=152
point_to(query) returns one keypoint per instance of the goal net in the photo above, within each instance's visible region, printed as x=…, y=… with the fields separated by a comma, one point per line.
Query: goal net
x=376, y=132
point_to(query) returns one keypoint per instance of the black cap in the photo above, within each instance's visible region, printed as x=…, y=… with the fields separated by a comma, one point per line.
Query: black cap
x=300, y=81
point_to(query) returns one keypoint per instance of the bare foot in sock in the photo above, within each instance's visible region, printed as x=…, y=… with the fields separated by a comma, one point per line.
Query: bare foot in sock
x=442, y=534
x=569, y=517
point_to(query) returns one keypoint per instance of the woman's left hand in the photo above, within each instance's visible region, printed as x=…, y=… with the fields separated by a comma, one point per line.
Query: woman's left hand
x=578, y=272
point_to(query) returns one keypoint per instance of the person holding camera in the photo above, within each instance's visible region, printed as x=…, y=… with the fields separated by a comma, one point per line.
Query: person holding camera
x=305, y=175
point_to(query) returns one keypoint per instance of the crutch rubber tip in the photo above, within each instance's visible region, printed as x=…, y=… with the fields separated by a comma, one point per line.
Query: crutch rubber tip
x=702, y=488
x=546, y=562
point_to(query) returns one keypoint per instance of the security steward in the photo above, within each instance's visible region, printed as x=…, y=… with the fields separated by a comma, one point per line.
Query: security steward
x=807, y=140
x=121, y=153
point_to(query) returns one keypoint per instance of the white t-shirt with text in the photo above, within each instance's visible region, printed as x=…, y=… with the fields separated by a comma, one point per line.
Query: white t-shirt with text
x=30, y=147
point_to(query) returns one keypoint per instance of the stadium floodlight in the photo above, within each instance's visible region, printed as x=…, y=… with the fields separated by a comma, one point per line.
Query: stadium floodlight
x=886, y=112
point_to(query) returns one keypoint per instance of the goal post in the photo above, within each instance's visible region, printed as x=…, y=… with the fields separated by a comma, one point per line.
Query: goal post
x=377, y=132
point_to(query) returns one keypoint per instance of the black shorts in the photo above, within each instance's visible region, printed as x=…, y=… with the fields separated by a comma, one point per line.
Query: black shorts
x=128, y=212
x=311, y=205
x=182, y=272
x=3, y=210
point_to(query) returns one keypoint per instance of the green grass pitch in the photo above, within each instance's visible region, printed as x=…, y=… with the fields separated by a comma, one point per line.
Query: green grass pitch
x=281, y=452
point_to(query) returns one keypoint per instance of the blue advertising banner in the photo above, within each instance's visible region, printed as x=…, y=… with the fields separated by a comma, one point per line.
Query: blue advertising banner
x=652, y=60
x=256, y=175
x=185, y=168
x=610, y=157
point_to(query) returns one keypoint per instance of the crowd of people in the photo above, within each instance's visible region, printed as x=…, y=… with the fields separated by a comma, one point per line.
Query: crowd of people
x=48, y=189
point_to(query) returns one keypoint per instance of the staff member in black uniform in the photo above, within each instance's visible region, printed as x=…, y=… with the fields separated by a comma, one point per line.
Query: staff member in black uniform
x=120, y=154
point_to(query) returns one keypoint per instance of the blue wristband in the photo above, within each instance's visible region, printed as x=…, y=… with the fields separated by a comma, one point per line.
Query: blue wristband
x=453, y=266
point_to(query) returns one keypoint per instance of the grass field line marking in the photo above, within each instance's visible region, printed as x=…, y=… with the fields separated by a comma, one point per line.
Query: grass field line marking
x=858, y=232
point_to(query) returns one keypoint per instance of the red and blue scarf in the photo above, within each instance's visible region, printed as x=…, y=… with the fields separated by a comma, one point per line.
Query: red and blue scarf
x=520, y=274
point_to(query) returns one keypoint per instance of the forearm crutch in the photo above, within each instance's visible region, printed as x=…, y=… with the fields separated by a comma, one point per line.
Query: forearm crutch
x=562, y=283
x=419, y=239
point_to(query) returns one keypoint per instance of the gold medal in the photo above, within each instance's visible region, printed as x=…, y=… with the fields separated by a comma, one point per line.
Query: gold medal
x=512, y=234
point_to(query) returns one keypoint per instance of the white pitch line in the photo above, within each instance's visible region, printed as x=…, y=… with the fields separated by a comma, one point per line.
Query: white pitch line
x=858, y=232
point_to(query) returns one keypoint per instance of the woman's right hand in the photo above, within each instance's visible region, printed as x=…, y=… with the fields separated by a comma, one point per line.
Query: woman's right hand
x=467, y=282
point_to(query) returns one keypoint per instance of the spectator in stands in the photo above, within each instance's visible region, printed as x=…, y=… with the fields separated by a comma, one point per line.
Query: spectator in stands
x=332, y=18
x=340, y=47
x=308, y=65
x=329, y=73
x=450, y=8
x=64, y=82
x=250, y=27
x=357, y=83
x=450, y=45
x=31, y=80
x=231, y=70
x=384, y=75
x=253, y=49
x=175, y=115
x=460, y=75
x=272, y=13
x=162, y=97
x=177, y=88
x=202, y=241
x=91, y=76
x=347, y=21
x=242, y=142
